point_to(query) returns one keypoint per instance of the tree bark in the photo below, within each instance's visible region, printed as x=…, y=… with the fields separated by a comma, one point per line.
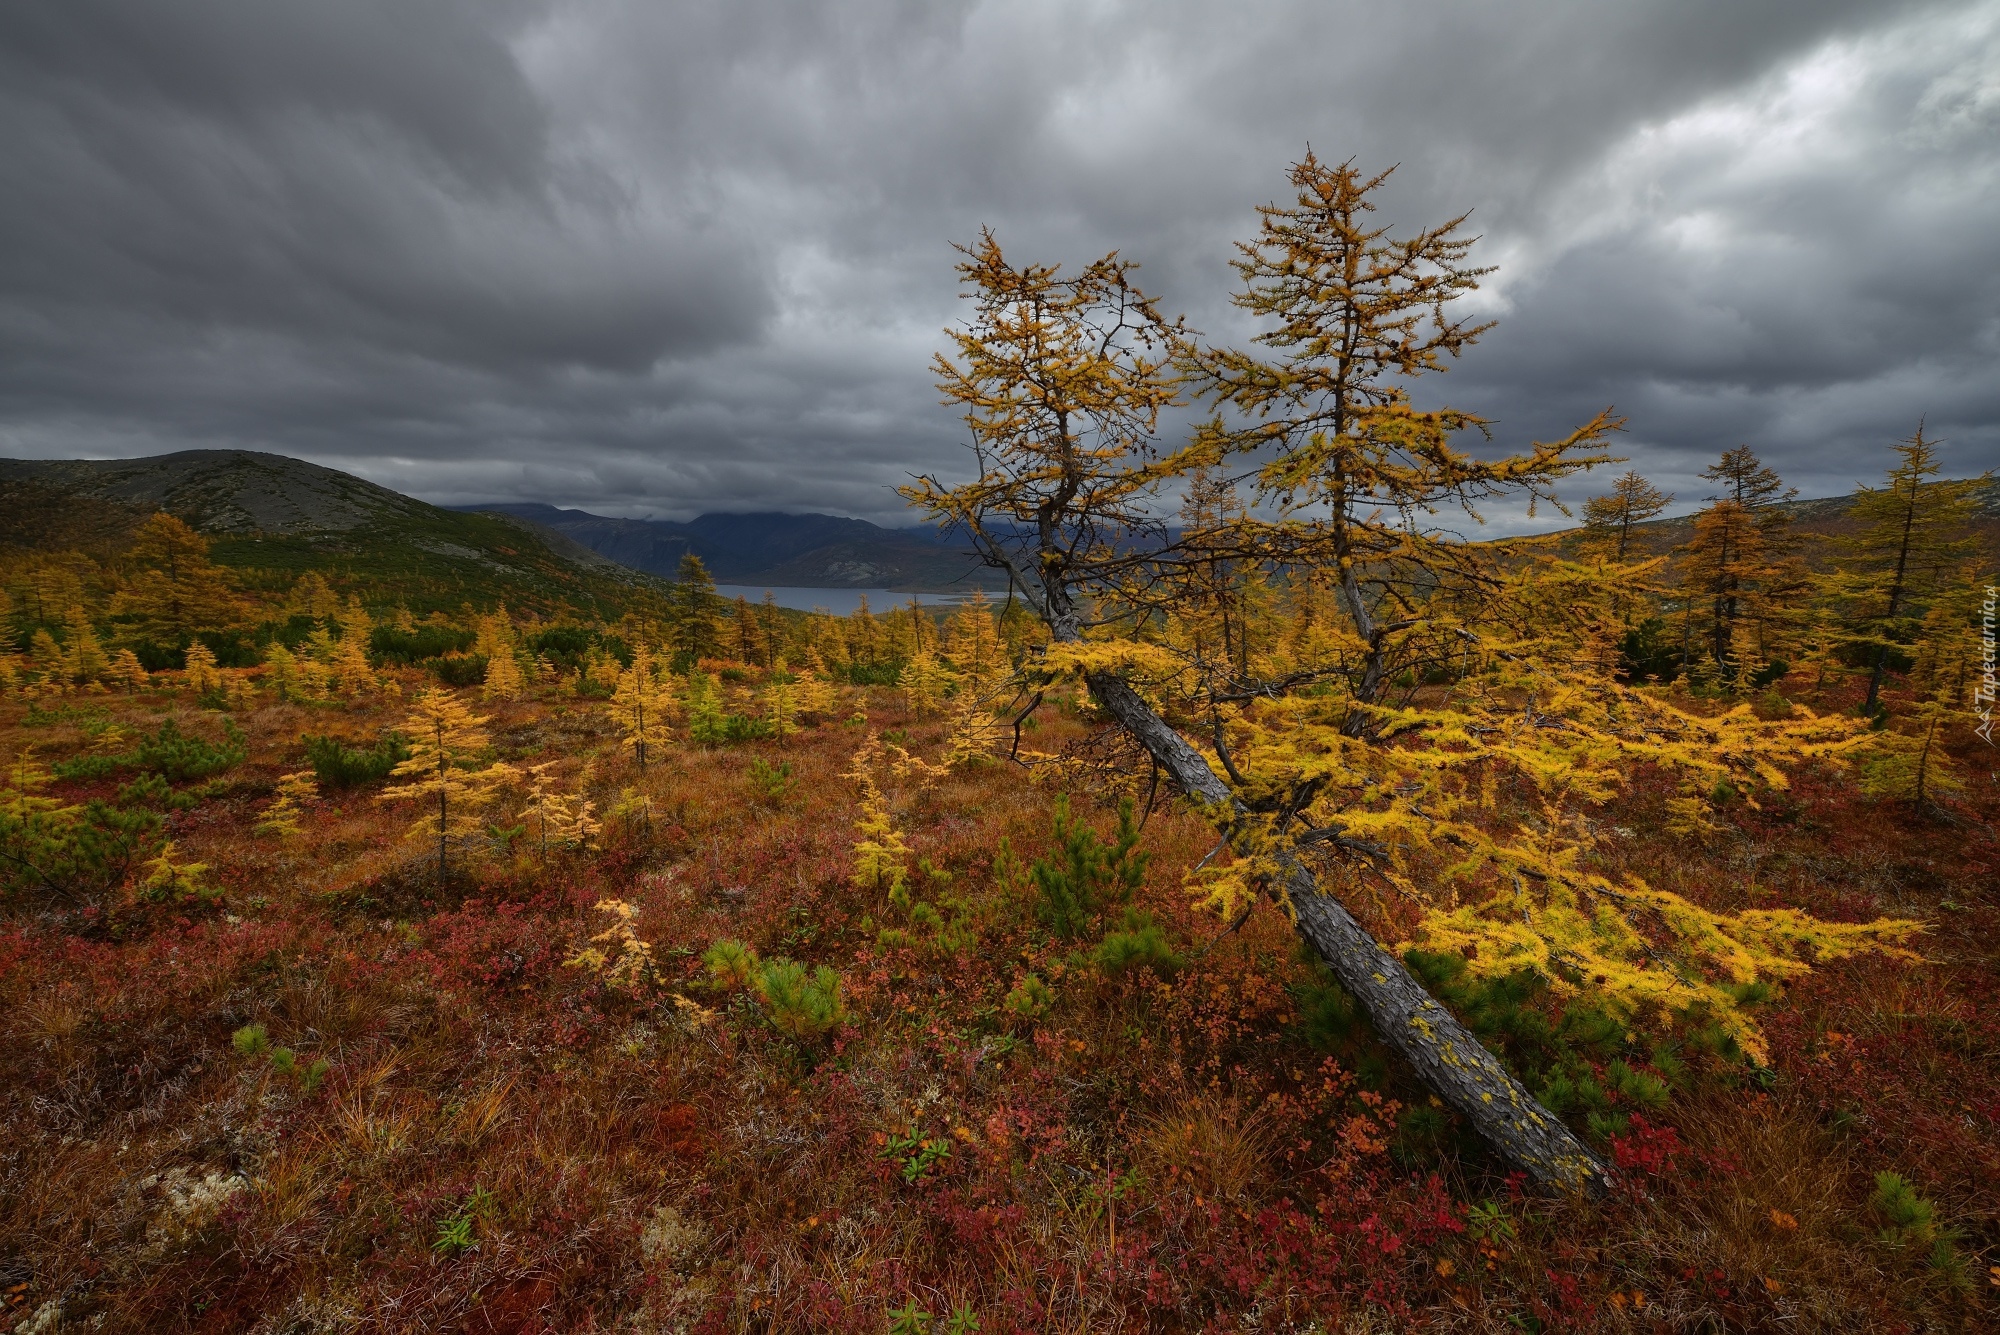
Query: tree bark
x=1446, y=1056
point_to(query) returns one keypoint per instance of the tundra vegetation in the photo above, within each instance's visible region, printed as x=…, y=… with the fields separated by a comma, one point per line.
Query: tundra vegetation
x=1285, y=910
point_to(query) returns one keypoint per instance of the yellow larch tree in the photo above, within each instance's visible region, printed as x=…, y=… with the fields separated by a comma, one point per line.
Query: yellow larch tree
x=201, y=676
x=694, y=612
x=496, y=643
x=281, y=818
x=1914, y=534
x=176, y=592
x=975, y=733
x=644, y=704
x=818, y=701
x=561, y=815
x=925, y=681
x=126, y=672
x=781, y=705
x=1739, y=572
x=1632, y=500
x=881, y=857
x=311, y=596
x=974, y=648
x=84, y=659
x=1450, y=667
x=348, y=669
x=445, y=770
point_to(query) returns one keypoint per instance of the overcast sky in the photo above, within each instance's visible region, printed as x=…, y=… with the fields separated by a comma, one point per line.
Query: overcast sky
x=654, y=258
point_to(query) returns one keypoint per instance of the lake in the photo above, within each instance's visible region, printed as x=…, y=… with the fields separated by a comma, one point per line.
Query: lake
x=842, y=602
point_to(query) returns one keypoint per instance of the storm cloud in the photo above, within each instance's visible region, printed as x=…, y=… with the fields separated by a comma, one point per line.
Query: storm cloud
x=652, y=258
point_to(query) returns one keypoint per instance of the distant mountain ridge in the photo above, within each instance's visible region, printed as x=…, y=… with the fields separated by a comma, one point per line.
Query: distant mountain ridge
x=803, y=550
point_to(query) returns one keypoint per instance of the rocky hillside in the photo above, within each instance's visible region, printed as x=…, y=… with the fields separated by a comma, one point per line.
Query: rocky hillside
x=274, y=516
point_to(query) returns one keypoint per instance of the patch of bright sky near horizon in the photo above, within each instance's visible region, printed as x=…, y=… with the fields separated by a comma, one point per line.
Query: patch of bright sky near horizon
x=652, y=259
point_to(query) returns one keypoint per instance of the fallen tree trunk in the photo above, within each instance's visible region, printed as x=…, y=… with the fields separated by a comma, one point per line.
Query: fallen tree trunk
x=1446, y=1056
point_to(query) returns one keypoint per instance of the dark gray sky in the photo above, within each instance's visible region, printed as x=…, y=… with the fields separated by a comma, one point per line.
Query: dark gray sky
x=654, y=258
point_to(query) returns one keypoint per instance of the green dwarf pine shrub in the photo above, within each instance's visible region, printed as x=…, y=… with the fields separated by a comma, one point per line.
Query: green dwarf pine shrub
x=1907, y=1217
x=1087, y=876
x=800, y=1005
x=1029, y=1000
x=75, y=851
x=339, y=766
x=175, y=755
x=731, y=965
x=1138, y=944
x=773, y=783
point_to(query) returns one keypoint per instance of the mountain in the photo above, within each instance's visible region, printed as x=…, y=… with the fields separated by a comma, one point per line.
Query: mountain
x=1818, y=516
x=804, y=550
x=269, y=513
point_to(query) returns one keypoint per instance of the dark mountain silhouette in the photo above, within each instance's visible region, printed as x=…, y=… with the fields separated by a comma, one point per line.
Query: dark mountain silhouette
x=808, y=550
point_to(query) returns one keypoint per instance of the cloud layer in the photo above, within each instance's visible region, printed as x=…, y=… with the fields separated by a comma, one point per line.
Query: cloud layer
x=660, y=258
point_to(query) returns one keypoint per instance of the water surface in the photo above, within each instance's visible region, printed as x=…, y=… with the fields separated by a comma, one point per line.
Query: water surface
x=840, y=602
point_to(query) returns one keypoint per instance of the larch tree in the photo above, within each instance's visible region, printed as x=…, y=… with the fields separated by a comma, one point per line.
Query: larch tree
x=444, y=771
x=84, y=659
x=771, y=622
x=1914, y=534
x=498, y=645
x=1737, y=568
x=1334, y=784
x=1210, y=606
x=694, y=612
x=1633, y=500
x=1062, y=380
x=176, y=592
x=746, y=634
x=975, y=649
x=643, y=705
x=311, y=596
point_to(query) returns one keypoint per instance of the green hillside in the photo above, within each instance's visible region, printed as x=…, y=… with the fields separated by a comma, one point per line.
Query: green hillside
x=272, y=519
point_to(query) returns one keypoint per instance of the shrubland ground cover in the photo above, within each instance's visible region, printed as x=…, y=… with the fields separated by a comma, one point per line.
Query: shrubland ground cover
x=303, y=1084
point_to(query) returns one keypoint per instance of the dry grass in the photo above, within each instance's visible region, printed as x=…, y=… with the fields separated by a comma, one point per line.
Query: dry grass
x=1151, y=1155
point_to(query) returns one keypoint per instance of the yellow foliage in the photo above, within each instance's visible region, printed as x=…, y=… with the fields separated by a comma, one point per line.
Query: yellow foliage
x=781, y=708
x=281, y=818
x=83, y=659
x=1581, y=932
x=616, y=955
x=561, y=816
x=348, y=668
x=1538, y=714
x=974, y=647
x=201, y=675
x=126, y=671
x=496, y=643
x=177, y=591
x=1141, y=662
x=444, y=770
x=925, y=679
x=1911, y=767
x=644, y=704
x=975, y=733
x=881, y=858
x=167, y=879
x=817, y=698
